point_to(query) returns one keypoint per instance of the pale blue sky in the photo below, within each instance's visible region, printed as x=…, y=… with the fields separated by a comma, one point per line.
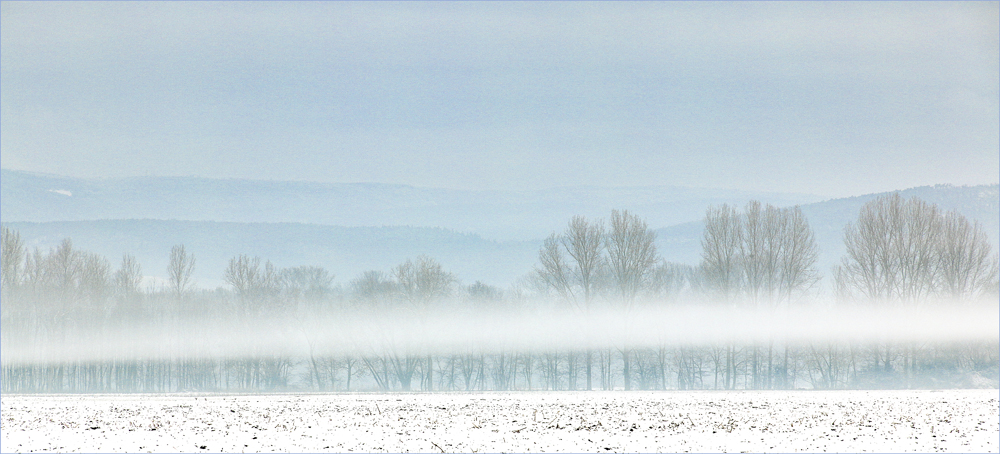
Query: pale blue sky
x=826, y=98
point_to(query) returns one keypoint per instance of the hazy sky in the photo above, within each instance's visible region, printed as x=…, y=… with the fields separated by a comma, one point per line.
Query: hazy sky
x=814, y=97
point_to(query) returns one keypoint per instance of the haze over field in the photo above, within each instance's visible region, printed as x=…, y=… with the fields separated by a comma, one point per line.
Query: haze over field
x=499, y=226
x=333, y=196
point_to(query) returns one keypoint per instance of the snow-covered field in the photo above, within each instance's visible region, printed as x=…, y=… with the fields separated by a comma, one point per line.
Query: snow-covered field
x=785, y=421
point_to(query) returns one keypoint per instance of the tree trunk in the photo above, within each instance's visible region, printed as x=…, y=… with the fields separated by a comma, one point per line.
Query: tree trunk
x=784, y=372
x=770, y=365
x=430, y=374
x=626, y=370
x=350, y=365
x=589, y=358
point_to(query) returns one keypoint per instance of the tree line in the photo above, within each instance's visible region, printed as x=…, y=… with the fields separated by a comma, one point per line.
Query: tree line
x=899, y=253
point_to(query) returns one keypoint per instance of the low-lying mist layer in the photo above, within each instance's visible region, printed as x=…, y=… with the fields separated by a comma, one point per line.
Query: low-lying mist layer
x=447, y=331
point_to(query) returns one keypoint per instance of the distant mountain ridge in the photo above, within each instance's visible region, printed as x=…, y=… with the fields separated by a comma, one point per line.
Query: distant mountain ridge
x=500, y=215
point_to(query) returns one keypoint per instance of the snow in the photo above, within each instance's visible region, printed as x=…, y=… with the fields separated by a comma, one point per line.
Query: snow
x=673, y=421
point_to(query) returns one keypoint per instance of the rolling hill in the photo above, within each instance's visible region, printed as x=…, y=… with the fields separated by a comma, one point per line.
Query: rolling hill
x=498, y=215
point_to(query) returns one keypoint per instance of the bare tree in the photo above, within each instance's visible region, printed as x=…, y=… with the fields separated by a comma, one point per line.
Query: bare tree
x=797, y=274
x=484, y=294
x=584, y=242
x=17, y=323
x=631, y=258
x=256, y=288
x=309, y=284
x=555, y=272
x=907, y=253
x=799, y=253
x=253, y=284
x=777, y=256
x=421, y=283
x=94, y=280
x=766, y=254
x=374, y=291
x=721, y=268
x=762, y=257
x=631, y=254
x=753, y=252
x=127, y=309
x=179, y=270
x=669, y=279
x=306, y=289
x=372, y=287
x=12, y=256
x=967, y=267
x=64, y=266
x=128, y=277
x=892, y=251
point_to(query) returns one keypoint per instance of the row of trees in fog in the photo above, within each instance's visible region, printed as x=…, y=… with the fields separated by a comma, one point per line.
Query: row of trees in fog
x=904, y=252
x=900, y=253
